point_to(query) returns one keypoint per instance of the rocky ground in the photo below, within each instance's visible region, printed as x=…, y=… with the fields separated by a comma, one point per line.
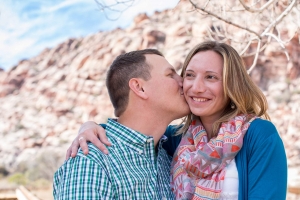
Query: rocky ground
x=43, y=100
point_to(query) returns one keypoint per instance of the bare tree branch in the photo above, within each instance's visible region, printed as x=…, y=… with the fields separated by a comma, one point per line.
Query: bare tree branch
x=256, y=56
x=206, y=4
x=115, y=8
x=222, y=19
x=280, y=43
x=284, y=14
x=241, y=23
x=263, y=22
x=253, y=53
x=246, y=47
x=256, y=10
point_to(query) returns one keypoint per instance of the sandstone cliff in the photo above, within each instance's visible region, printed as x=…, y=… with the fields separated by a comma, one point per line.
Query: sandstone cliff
x=43, y=100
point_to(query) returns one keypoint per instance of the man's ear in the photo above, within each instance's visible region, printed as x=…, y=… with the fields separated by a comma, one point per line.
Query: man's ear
x=136, y=85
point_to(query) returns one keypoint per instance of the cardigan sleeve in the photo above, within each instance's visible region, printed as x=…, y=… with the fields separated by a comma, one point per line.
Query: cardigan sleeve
x=267, y=163
x=173, y=140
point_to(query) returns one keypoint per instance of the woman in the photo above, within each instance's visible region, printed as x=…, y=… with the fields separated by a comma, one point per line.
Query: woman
x=227, y=150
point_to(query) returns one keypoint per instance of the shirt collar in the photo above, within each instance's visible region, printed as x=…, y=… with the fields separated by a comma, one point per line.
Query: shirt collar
x=129, y=137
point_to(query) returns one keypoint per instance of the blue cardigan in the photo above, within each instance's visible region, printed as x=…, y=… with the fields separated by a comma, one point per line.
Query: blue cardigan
x=261, y=163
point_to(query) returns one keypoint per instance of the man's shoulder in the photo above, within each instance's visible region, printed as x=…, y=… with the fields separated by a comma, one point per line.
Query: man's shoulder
x=94, y=160
x=94, y=155
x=89, y=171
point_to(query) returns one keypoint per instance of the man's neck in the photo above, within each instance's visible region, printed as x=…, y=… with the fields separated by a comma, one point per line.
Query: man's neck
x=148, y=125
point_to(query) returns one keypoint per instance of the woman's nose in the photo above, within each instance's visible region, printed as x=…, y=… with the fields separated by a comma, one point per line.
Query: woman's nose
x=198, y=85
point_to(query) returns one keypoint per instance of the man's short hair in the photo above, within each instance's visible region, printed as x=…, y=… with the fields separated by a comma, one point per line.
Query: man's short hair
x=125, y=67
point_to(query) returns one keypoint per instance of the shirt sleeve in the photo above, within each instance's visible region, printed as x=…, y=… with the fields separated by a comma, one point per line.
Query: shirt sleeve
x=267, y=165
x=81, y=178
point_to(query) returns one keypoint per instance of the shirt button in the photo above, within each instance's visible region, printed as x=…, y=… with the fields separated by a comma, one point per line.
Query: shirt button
x=141, y=152
x=149, y=140
x=164, y=198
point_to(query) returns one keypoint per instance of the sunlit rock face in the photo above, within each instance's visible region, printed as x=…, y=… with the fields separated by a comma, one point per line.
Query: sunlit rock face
x=43, y=100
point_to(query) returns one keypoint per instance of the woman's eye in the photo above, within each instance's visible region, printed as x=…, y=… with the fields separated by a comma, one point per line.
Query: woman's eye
x=188, y=75
x=211, y=77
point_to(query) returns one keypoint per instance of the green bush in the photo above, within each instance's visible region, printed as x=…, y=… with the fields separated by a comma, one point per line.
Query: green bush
x=37, y=172
x=40, y=183
x=18, y=178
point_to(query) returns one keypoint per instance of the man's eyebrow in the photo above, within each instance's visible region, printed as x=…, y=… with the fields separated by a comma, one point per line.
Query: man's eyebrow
x=172, y=69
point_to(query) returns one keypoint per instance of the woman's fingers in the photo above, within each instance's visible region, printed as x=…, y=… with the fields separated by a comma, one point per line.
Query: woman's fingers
x=99, y=144
x=72, y=150
x=69, y=151
x=89, y=132
x=102, y=137
x=83, y=144
x=74, y=147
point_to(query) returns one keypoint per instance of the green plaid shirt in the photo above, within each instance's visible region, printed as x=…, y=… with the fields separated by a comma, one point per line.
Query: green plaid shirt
x=131, y=170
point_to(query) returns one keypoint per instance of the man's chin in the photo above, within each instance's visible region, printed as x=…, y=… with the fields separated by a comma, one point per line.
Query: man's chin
x=187, y=111
x=184, y=113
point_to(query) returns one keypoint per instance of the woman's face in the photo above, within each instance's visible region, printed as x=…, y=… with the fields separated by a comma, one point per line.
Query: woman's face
x=203, y=85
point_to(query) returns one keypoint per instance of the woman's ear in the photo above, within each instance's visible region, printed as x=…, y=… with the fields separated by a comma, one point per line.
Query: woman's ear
x=136, y=85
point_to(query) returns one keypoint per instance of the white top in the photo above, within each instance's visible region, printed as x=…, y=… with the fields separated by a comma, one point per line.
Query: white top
x=230, y=189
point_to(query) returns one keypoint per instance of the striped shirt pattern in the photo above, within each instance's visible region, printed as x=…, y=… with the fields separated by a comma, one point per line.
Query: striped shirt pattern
x=131, y=170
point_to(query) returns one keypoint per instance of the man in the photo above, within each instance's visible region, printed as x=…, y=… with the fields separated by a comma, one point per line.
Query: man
x=146, y=93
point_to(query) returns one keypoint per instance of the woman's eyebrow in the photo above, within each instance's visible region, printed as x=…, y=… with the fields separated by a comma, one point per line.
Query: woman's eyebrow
x=211, y=72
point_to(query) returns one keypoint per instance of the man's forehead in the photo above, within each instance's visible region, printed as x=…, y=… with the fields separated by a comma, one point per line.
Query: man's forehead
x=159, y=61
x=153, y=57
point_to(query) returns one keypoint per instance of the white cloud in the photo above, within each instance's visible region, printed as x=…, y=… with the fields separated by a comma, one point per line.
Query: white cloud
x=64, y=4
x=27, y=27
x=20, y=35
x=133, y=7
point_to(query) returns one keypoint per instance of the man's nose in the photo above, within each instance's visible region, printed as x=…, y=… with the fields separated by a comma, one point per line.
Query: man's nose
x=180, y=81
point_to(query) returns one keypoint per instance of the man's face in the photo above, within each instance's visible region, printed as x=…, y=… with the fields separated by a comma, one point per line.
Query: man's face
x=165, y=88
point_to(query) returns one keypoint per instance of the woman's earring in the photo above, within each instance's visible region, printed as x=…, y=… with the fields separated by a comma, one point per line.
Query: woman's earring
x=232, y=105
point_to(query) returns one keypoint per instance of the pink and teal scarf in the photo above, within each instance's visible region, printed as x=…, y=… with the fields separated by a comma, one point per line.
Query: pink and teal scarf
x=198, y=167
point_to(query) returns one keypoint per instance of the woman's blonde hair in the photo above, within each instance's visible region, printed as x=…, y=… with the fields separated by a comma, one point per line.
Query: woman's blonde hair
x=237, y=86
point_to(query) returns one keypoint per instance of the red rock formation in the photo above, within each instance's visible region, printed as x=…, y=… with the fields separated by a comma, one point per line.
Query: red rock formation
x=43, y=100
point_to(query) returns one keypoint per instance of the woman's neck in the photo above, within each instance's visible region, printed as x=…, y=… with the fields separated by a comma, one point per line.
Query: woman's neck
x=208, y=125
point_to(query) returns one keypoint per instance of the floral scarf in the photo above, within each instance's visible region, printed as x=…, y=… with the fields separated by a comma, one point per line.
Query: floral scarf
x=198, y=167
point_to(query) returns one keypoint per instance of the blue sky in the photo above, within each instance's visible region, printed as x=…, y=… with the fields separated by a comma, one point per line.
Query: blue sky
x=29, y=26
